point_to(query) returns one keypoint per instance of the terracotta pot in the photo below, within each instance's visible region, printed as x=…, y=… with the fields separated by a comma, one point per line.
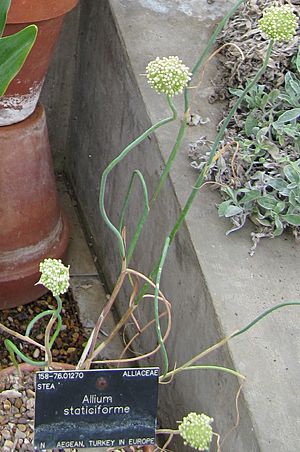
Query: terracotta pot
x=23, y=93
x=32, y=226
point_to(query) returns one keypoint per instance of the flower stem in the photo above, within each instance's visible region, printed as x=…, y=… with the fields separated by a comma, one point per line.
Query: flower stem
x=117, y=160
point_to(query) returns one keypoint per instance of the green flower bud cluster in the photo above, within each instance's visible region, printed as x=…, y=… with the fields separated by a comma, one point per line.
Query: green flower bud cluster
x=279, y=23
x=196, y=431
x=168, y=75
x=55, y=276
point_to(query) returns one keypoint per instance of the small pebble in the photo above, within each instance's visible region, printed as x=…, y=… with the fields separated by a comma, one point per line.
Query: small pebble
x=6, y=434
x=18, y=402
x=36, y=353
x=21, y=427
x=7, y=405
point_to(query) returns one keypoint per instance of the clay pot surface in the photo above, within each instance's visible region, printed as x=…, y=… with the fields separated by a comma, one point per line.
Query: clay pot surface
x=26, y=11
x=21, y=98
x=32, y=226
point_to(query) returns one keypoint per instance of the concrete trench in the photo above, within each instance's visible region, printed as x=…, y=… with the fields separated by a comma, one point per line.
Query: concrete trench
x=97, y=102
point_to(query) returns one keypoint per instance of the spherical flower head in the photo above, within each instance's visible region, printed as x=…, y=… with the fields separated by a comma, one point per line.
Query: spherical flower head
x=279, y=23
x=54, y=276
x=196, y=431
x=168, y=75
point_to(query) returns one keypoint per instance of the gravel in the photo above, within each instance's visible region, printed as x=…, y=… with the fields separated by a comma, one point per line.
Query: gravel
x=68, y=345
x=17, y=392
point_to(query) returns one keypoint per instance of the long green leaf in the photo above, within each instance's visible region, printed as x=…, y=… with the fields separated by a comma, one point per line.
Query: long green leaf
x=13, y=52
x=4, y=7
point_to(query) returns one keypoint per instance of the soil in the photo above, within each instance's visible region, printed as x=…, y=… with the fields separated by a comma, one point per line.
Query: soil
x=69, y=343
x=17, y=392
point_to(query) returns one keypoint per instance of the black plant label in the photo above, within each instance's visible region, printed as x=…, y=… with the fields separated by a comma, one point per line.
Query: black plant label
x=95, y=408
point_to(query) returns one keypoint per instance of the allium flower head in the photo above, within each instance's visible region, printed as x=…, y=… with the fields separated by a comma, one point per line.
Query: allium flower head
x=168, y=75
x=279, y=23
x=54, y=276
x=196, y=431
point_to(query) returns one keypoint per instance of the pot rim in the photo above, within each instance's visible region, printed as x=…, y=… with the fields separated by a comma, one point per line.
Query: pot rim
x=30, y=11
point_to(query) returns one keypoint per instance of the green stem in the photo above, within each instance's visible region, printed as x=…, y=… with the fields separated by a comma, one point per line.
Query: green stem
x=158, y=188
x=206, y=367
x=211, y=42
x=201, y=178
x=156, y=313
x=181, y=131
x=126, y=200
x=143, y=215
x=36, y=319
x=117, y=160
x=171, y=158
x=12, y=349
x=264, y=314
x=183, y=126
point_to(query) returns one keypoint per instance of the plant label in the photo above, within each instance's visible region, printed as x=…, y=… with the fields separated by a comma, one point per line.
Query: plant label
x=95, y=408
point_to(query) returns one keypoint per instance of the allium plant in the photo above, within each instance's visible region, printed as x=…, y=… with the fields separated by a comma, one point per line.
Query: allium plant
x=54, y=276
x=168, y=76
x=196, y=431
x=279, y=23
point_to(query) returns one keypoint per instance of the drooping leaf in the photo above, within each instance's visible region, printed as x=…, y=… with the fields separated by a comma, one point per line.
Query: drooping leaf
x=287, y=116
x=291, y=174
x=250, y=196
x=222, y=208
x=280, y=206
x=278, y=226
x=294, y=198
x=233, y=210
x=13, y=52
x=226, y=209
x=268, y=202
x=292, y=219
x=263, y=221
x=250, y=123
x=292, y=88
x=279, y=184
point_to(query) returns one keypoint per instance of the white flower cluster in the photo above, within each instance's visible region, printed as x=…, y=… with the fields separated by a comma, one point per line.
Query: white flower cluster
x=279, y=23
x=168, y=75
x=196, y=431
x=55, y=276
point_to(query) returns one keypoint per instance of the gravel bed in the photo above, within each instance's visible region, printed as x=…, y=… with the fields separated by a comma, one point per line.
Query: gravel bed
x=17, y=392
x=17, y=398
x=68, y=345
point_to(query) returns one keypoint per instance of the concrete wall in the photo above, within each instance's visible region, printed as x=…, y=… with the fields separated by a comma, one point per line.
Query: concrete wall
x=58, y=88
x=214, y=286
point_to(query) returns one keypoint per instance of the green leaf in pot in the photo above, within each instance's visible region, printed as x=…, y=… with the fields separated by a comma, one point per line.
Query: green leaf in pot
x=13, y=49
